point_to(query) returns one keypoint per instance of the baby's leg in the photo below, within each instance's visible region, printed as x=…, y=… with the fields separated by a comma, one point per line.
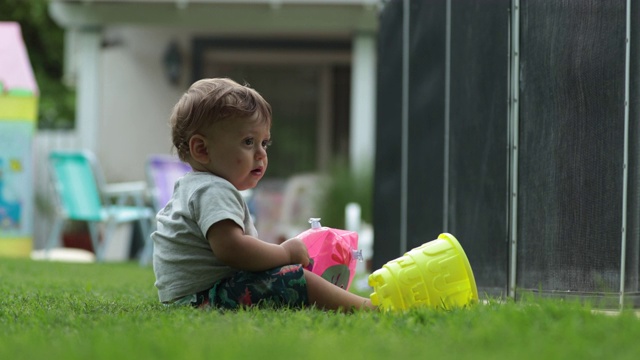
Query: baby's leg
x=327, y=296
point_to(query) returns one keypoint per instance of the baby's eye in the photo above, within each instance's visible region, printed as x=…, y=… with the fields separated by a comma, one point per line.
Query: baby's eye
x=248, y=141
x=266, y=143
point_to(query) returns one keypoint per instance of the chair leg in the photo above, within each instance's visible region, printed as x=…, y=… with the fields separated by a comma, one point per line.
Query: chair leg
x=146, y=254
x=55, y=235
x=95, y=240
x=109, y=230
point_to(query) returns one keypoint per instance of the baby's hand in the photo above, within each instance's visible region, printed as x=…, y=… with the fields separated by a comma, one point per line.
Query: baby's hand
x=297, y=251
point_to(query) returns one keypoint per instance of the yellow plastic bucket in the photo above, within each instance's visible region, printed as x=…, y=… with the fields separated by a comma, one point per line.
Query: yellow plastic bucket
x=436, y=274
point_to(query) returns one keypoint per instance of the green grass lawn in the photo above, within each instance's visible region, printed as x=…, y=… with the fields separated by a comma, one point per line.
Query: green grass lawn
x=110, y=311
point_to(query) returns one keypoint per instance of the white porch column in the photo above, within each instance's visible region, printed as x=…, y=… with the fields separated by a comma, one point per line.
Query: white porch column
x=363, y=103
x=88, y=88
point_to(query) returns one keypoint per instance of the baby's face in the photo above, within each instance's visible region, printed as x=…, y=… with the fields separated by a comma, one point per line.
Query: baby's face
x=238, y=151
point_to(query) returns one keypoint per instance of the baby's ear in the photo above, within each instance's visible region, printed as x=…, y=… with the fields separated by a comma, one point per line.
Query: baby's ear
x=198, y=149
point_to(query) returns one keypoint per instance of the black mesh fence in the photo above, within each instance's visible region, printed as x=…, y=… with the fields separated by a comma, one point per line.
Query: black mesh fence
x=387, y=182
x=570, y=160
x=632, y=256
x=572, y=87
x=477, y=195
x=426, y=126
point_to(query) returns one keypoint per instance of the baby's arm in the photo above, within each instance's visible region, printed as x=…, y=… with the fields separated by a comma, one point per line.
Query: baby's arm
x=244, y=252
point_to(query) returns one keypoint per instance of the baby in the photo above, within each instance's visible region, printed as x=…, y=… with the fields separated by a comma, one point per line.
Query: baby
x=206, y=249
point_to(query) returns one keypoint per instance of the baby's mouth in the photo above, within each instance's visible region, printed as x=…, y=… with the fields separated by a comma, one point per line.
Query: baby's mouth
x=257, y=171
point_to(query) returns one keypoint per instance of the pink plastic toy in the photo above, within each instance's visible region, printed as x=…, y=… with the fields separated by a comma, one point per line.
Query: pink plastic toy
x=333, y=253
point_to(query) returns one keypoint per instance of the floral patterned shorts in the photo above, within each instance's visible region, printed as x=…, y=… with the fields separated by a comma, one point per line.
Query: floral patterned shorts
x=282, y=286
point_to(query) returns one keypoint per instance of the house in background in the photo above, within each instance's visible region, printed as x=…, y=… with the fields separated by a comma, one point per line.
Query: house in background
x=314, y=61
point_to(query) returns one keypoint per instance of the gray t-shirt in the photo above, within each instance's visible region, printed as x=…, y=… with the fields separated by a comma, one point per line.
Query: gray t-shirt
x=183, y=261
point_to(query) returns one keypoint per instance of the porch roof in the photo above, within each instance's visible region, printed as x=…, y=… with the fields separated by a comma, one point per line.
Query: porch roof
x=238, y=16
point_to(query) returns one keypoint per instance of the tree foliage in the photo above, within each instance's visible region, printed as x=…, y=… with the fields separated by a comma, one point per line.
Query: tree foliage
x=44, y=40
